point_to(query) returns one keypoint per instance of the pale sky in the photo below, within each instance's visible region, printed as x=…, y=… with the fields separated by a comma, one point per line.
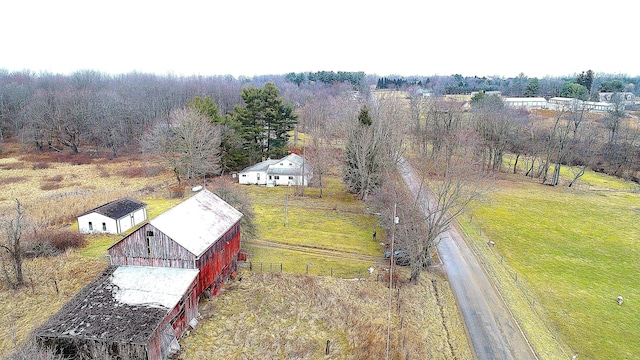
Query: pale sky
x=392, y=37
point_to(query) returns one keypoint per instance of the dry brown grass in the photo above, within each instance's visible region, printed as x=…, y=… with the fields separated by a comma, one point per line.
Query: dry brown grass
x=56, y=194
x=263, y=316
x=286, y=316
x=24, y=309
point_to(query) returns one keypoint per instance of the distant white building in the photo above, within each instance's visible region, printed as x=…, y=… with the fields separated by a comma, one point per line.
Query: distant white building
x=560, y=103
x=113, y=218
x=526, y=102
x=290, y=170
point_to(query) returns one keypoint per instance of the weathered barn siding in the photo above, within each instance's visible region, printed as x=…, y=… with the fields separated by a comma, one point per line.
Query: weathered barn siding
x=219, y=261
x=158, y=249
x=205, y=235
x=215, y=265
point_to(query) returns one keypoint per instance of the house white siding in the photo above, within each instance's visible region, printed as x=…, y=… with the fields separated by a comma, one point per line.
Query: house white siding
x=253, y=178
x=290, y=170
x=130, y=220
x=94, y=223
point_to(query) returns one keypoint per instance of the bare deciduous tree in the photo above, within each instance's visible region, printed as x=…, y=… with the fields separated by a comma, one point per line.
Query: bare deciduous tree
x=188, y=143
x=321, y=156
x=371, y=150
x=11, y=257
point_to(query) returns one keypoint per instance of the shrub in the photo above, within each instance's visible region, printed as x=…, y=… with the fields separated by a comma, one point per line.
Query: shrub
x=52, y=242
x=73, y=159
x=33, y=351
x=64, y=239
x=39, y=249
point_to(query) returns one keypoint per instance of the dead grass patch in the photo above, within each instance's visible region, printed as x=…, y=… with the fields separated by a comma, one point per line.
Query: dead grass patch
x=40, y=165
x=274, y=315
x=12, y=166
x=102, y=171
x=12, y=180
x=51, y=282
x=48, y=186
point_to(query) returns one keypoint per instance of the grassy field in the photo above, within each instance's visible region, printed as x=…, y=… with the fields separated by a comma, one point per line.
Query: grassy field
x=286, y=315
x=572, y=252
x=332, y=233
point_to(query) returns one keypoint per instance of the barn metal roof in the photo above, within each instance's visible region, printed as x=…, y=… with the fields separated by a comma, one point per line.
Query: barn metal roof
x=123, y=304
x=118, y=208
x=152, y=286
x=198, y=222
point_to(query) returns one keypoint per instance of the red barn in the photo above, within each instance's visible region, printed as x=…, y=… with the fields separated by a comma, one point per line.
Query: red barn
x=203, y=232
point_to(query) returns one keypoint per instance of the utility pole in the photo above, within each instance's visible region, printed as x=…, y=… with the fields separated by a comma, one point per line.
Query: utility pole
x=395, y=220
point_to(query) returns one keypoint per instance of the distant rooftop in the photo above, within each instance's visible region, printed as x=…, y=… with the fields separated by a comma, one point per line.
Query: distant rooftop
x=118, y=208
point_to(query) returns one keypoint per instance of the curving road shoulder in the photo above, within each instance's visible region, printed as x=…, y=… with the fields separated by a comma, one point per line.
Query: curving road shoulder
x=492, y=330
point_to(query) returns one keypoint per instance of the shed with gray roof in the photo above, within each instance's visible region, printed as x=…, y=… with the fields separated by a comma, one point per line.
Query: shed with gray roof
x=115, y=217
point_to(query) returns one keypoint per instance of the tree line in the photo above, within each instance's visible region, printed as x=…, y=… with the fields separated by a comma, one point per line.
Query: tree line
x=585, y=85
x=96, y=113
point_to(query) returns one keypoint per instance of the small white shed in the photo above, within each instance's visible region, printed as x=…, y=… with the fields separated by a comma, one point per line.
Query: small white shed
x=113, y=218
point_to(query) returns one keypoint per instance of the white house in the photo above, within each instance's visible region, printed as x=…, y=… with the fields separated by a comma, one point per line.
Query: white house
x=290, y=170
x=114, y=218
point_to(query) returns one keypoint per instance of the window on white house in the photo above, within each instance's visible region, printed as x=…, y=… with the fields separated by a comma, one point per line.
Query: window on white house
x=90, y=226
x=258, y=176
x=290, y=177
x=104, y=226
x=269, y=177
x=244, y=175
x=277, y=177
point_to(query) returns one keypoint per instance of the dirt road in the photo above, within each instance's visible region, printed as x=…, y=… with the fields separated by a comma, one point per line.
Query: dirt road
x=491, y=328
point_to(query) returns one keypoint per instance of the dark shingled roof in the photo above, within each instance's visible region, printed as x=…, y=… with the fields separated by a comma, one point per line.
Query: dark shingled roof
x=118, y=208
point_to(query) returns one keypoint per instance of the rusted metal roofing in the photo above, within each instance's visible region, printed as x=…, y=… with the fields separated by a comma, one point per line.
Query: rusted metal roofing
x=123, y=304
x=118, y=208
x=198, y=222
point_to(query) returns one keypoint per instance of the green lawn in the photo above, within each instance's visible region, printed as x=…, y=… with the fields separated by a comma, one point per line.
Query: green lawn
x=336, y=222
x=577, y=251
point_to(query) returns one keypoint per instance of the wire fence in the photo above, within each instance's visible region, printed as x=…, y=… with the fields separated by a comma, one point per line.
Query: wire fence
x=307, y=269
x=497, y=267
